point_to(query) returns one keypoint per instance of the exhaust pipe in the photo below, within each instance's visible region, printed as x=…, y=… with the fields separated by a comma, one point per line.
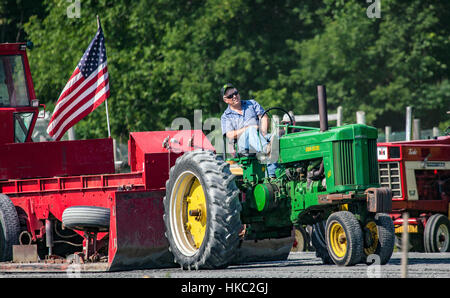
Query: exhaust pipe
x=323, y=113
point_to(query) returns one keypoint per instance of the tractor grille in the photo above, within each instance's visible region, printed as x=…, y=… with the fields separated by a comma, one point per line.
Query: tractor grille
x=390, y=177
x=343, y=162
x=373, y=161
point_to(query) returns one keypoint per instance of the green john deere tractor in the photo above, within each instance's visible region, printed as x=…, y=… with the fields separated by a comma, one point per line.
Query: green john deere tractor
x=327, y=178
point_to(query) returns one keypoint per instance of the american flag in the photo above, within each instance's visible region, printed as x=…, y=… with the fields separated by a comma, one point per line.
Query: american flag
x=86, y=89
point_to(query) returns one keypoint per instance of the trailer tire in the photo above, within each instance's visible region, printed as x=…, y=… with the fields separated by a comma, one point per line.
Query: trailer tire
x=344, y=239
x=202, y=211
x=86, y=218
x=9, y=228
x=437, y=234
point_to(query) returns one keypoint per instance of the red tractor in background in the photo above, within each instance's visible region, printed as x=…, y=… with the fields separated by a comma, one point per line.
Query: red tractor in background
x=418, y=173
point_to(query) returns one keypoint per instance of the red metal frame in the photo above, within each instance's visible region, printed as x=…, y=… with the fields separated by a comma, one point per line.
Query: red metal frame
x=49, y=159
x=136, y=236
x=43, y=179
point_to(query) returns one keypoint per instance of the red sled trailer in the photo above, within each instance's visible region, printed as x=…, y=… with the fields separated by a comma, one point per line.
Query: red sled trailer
x=62, y=201
x=418, y=173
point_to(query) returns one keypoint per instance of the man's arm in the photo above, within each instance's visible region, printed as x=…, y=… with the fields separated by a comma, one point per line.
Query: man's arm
x=264, y=124
x=234, y=134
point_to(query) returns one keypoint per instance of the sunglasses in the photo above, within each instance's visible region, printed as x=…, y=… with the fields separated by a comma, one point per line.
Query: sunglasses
x=232, y=94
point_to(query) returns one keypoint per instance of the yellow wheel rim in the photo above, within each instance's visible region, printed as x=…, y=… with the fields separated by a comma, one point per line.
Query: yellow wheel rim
x=371, y=228
x=188, y=213
x=338, y=240
x=195, y=204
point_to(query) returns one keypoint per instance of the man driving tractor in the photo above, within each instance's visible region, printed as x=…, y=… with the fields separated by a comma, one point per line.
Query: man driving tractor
x=244, y=121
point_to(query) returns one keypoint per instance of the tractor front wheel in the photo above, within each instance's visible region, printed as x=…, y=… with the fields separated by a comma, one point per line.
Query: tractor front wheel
x=202, y=211
x=379, y=237
x=344, y=238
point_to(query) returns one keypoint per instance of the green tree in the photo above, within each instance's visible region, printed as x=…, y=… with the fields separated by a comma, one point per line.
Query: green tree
x=13, y=15
x=169, y=57
x=379, y=66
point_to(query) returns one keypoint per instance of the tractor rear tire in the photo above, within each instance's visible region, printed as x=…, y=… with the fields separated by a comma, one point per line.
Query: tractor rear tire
x=437, y=234
x=202, y=211
x=86, y=218
x=344, y=239
x=9, y=228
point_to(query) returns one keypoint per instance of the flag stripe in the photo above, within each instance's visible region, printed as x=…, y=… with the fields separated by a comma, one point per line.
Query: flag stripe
x=81, y=95
x=74, y=118
x=86, y=89
x=76, y=75
x=74, y=90
x=79, y=114
x=81, y=101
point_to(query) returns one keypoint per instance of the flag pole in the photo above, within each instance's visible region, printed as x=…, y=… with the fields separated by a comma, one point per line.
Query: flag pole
x=106, y=100
x=107, y=118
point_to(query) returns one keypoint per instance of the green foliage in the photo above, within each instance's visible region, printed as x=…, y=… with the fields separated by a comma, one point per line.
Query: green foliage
x=13, y=15
x=169, y=57
x=376, y=65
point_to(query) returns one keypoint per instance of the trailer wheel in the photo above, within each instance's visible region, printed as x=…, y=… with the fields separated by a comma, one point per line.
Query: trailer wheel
x=344, y=238
x=9, y=228
x=202, y=211
x=379, y=237
x=319, y=242
x=87, y=218
x=437, y=234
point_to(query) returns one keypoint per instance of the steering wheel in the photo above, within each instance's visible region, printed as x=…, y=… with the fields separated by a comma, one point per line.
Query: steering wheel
x=291, y=121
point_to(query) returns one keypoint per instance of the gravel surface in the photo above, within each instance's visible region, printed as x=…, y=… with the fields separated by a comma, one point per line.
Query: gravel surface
x=298, y=265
